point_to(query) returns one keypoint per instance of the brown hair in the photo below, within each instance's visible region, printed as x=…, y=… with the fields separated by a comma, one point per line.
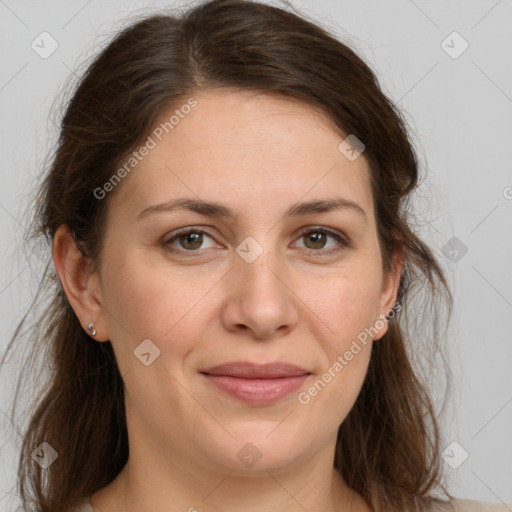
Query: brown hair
x=388, y=447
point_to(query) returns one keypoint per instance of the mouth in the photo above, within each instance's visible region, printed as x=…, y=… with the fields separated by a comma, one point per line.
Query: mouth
x=256, y=384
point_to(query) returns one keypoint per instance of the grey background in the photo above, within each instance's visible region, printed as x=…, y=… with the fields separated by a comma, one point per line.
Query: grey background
x=460, y=111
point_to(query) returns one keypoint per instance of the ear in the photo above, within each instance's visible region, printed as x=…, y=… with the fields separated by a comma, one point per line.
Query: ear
x=80, y=283
x=389, y=292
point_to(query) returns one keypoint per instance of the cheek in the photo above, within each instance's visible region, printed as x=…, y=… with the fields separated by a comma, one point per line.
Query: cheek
x=335, y=388
x=349, y=310
x=354, y=310
x=148, y=302
x=345, y=378
x=345, y=305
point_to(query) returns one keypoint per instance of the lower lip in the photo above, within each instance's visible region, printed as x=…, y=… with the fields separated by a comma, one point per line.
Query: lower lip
x=257, y=391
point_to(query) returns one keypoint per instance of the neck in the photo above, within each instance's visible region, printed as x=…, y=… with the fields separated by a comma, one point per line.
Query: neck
x=162, y=476
x=154, y=486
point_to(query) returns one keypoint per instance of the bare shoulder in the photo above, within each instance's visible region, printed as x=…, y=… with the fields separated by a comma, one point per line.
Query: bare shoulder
x=466, y=505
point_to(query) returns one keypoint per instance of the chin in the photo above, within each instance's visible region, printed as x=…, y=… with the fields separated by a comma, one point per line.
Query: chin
x=269, y=446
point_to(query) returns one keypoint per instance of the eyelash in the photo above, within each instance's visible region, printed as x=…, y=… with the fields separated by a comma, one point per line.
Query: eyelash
x=343, y=242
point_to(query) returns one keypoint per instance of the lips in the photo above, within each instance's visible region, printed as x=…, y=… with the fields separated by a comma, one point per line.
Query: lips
x=249, y=370
x=254, y=383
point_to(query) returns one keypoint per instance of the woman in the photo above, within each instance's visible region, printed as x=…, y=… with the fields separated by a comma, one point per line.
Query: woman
x=233, y=271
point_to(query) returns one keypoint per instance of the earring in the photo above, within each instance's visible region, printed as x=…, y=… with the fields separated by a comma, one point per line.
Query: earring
x=91, y=329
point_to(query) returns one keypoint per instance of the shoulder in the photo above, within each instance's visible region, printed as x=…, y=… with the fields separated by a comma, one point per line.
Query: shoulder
x=456, y=505
x=84, y=506
x=466, y=505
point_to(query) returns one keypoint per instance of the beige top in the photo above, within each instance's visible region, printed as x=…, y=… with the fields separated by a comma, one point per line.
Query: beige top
x=465, y=505
x=459, y=505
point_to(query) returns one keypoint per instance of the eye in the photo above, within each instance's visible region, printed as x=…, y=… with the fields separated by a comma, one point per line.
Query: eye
x=190, y=240
x=316, y=239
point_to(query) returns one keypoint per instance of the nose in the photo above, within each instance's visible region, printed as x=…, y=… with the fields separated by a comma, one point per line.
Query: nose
x=259, y=299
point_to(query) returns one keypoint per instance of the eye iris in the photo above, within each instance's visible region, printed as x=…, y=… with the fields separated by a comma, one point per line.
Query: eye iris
x=197, y=239
x=316, y=236
x=194, y=239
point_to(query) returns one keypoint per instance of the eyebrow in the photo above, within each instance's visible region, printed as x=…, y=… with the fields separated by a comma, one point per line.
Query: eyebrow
x=213, y=209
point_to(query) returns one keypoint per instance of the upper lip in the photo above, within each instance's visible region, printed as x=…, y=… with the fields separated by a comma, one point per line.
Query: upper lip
x=248, y=370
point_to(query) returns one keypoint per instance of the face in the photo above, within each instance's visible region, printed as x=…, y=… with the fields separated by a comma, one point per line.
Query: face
x=261, y=285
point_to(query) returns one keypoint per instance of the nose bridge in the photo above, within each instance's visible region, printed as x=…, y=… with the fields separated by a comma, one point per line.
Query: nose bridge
x=259, y=265
x=261, y=299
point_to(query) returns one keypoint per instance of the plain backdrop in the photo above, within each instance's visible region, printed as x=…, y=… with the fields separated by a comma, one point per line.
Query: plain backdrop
x=446, y=64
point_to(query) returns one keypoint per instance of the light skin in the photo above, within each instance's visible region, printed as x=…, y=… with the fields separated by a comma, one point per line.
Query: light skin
x=303, y=300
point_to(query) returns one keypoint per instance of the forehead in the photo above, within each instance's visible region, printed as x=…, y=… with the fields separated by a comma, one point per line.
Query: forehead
x=246, y=148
